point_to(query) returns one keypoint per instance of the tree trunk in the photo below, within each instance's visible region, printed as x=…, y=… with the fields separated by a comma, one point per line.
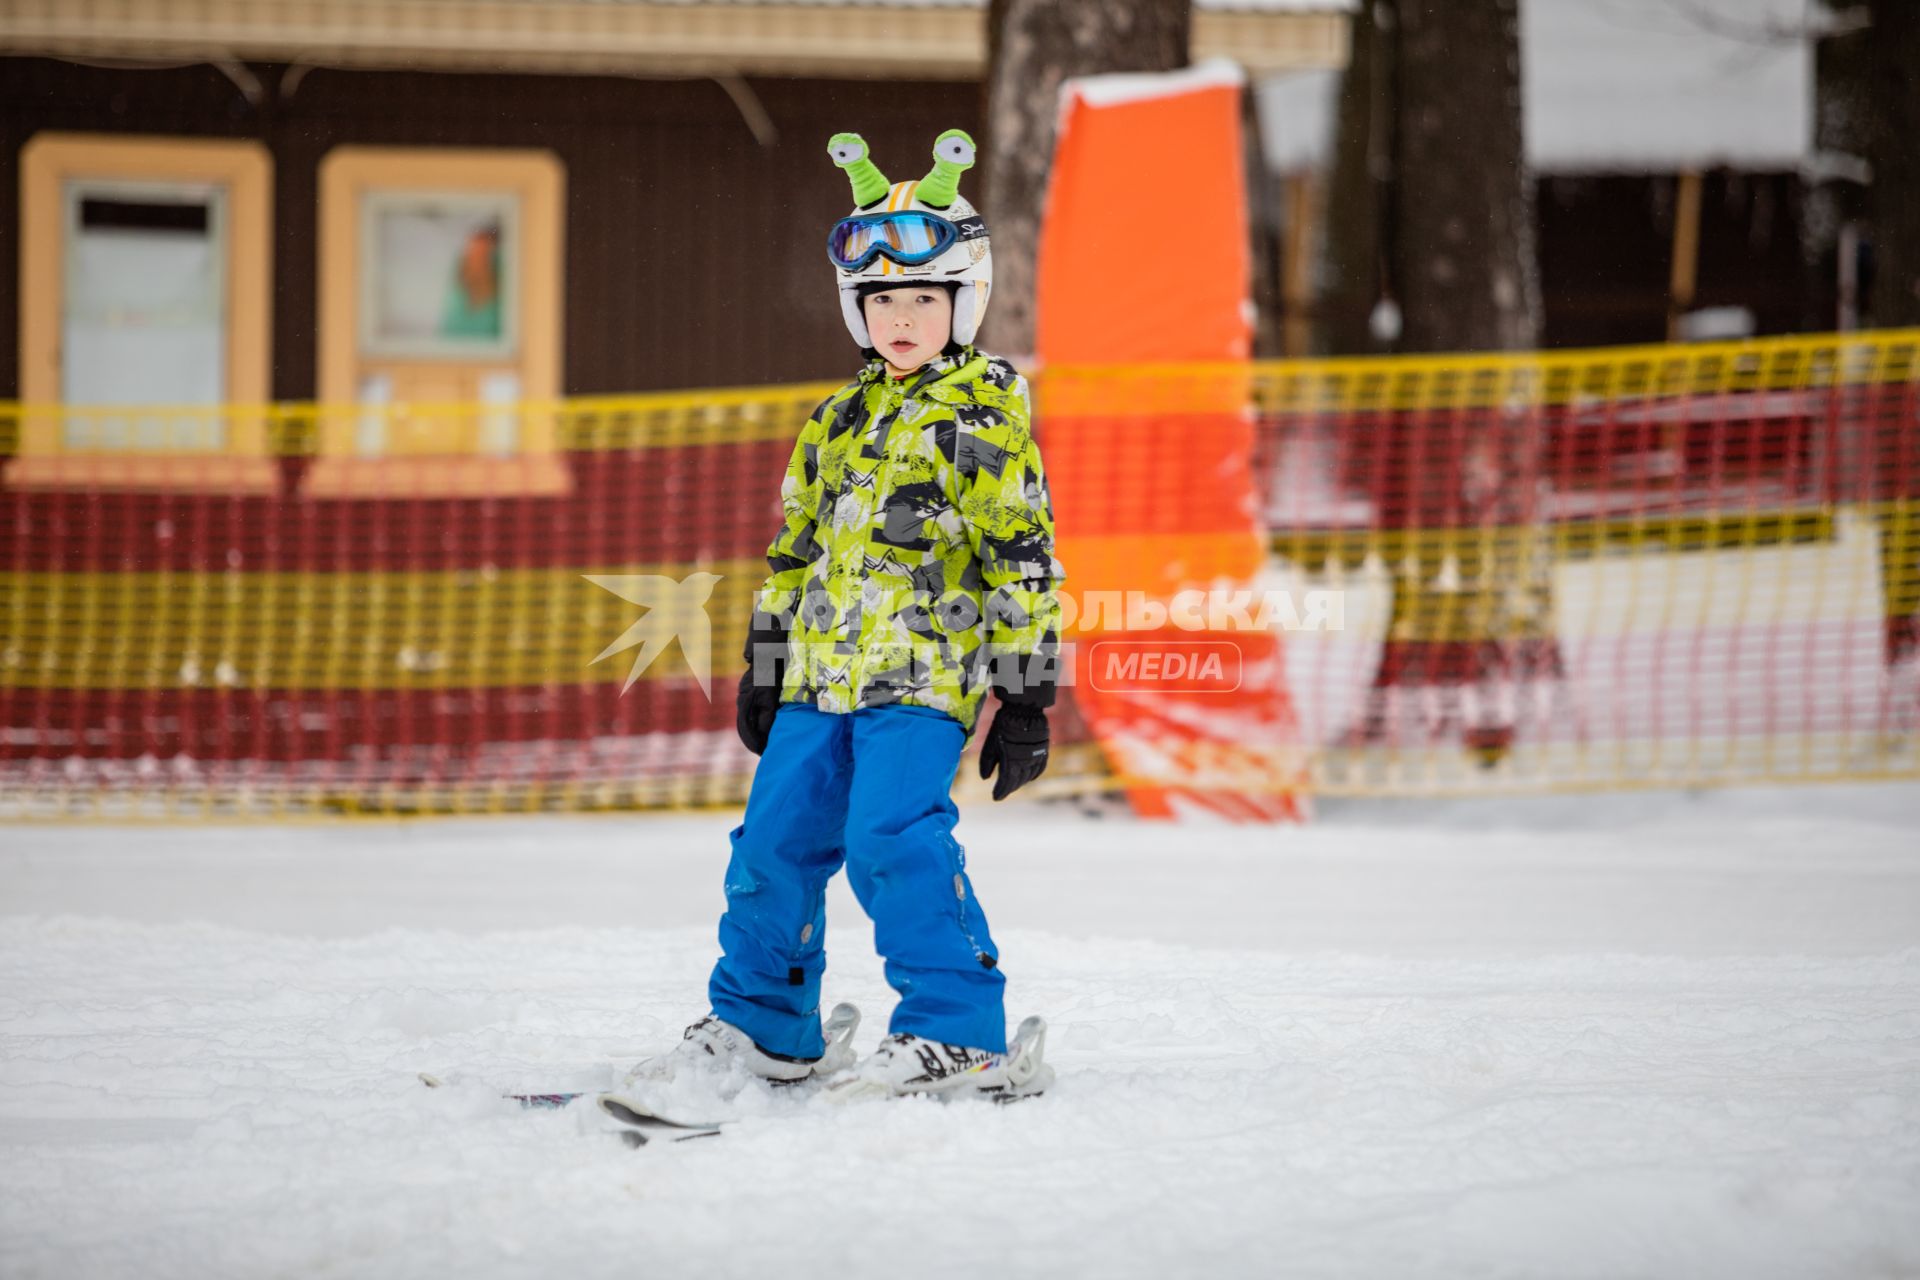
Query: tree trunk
x=1471, y=609
x=1893, y=98
x=1833, y=198
x=1265, y=228
x=1465, y=246
x=1893, y=229
x=1033, y=45
x=1357, y=191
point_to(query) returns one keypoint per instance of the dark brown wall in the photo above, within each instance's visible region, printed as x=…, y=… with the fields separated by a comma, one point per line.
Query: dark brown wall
x=1606, y=249
x=695, y=257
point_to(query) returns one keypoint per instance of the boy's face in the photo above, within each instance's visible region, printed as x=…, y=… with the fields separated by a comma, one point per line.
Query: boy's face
x=909, y=325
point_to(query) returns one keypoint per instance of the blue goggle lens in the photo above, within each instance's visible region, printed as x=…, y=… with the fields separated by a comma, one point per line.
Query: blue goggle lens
x=909, y=239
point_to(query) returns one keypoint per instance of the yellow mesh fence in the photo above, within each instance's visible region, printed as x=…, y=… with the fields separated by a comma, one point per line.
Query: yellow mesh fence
x=1681, y=565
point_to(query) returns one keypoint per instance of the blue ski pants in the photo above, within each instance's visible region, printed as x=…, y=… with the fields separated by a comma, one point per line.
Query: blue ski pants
x=866, y=789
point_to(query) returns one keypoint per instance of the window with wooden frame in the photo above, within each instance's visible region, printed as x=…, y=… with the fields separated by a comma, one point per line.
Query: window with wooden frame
x=440, y=322
x=145, y=315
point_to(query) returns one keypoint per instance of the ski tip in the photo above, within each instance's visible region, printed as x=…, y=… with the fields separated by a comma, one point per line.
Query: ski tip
x=620, y=1109
x=630, y=1111
x=430, y=1080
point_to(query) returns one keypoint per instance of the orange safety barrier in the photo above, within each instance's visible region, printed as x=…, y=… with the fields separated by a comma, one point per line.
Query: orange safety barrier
x=1143, y=261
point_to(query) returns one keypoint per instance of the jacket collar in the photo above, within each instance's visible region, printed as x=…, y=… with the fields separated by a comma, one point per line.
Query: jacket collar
x=940, y=369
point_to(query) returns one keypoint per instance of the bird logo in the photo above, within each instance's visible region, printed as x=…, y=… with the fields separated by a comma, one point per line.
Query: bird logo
x=674, y=610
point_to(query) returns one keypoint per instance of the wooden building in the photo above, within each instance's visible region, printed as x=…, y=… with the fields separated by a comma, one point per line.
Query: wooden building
x=413, y=201
x=672, y=156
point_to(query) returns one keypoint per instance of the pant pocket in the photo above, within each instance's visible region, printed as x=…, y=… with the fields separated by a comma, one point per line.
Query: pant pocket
x=739, y=879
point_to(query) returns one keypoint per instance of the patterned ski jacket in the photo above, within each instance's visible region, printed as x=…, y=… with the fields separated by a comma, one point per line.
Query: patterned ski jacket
x=916, y=564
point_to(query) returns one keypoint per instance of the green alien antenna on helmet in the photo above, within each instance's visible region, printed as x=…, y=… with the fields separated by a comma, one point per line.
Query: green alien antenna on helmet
x=952, y=156
x=849, y=151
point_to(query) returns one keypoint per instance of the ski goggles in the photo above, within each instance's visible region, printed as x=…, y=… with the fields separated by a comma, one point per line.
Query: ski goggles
x=911, y=238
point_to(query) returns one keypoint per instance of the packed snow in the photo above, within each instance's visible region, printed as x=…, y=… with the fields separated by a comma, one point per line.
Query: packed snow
x=1670, y=1034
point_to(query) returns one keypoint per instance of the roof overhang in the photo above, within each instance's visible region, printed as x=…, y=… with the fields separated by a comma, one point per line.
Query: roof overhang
x=918, y=41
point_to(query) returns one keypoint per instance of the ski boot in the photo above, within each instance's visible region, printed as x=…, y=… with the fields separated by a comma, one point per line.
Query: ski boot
x=910, y=1064
x=714, y=1045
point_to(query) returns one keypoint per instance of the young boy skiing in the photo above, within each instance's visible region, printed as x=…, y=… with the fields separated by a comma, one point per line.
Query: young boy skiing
x=914, y=570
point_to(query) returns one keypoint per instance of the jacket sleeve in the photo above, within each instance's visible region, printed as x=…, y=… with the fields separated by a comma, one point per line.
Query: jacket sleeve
x=1009, y=519
x=794, y=548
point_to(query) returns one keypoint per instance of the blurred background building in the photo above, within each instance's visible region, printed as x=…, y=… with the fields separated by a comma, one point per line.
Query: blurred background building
x=678, y=148
x=668, y=154
x=1652, y=131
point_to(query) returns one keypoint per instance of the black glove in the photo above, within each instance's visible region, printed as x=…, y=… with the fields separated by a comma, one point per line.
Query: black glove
x=1017, y=744
x=753, y=712
x=757, y=701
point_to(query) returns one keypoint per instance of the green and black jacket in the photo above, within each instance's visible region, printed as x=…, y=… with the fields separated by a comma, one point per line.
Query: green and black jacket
x=916, y=564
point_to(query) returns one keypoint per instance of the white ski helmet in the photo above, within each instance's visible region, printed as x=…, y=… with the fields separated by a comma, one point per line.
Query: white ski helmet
x=911, y=232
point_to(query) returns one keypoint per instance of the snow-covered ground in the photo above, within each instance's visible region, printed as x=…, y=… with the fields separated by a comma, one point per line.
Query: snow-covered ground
x=1658, y=1035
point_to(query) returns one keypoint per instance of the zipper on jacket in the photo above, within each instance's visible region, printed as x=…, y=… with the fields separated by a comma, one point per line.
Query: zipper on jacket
x=905, y=389
x=889, y=414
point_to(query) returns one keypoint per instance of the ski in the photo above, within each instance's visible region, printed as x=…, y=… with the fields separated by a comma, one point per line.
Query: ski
x=527, y=1101
x=639, y=1124
x=643, y=1125
x=838, y=1030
